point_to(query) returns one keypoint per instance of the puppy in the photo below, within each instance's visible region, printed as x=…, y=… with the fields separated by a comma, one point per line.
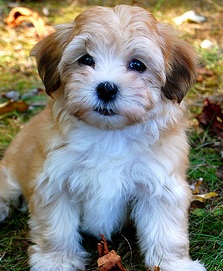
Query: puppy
x=111, y=144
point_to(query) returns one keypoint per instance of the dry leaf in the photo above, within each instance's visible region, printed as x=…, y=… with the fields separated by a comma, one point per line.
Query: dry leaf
x=108, y=260
x=206, y=72
x=155, y=268
x=103, y=246
x=204, y=197
x=211, y=118
x=11, y=106
x=20, y=14
x=195, y=187
x=197, y=192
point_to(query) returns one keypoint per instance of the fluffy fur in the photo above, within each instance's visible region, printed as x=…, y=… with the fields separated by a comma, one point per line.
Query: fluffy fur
x=91, y=158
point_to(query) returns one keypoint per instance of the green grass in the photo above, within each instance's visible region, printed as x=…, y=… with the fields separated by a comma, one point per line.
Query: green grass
x=14, y=243
x=18, y=72
x=206, y=235
x=205, y=160
x=206, y=223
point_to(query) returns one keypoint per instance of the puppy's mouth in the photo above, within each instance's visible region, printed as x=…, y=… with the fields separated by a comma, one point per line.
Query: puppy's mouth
x=105, y=111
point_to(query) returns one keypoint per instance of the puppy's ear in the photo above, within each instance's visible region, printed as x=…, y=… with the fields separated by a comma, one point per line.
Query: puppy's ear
x=181, y=65
x=48, y=53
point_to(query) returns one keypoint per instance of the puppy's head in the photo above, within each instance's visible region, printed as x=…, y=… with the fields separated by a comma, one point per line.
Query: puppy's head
x=112, y=67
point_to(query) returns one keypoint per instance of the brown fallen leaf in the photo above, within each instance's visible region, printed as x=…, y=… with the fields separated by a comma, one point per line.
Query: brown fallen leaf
x=204, y=73
x=155, y=268
x=211, y=118
x=10, y=106
x=20, y=14
x=109, y=260
x=103, y=246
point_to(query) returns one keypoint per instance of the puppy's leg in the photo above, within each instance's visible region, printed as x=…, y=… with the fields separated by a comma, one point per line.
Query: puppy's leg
x=162, y=229
x=54, y=230
x=9, y=191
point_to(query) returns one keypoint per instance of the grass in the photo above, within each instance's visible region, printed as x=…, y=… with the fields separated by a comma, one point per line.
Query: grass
x=205, y=161
x=206, y=243
x=206, y=224
x=14, y=243
x=18, y=72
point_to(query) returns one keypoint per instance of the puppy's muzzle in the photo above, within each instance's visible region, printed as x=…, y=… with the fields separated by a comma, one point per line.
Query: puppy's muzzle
x=107, y=91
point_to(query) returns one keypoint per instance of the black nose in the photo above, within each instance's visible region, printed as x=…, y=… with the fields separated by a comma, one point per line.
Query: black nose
x=107, y=91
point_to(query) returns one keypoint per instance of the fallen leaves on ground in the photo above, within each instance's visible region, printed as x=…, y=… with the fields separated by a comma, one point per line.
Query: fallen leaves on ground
x=10, y=106
x=156, y=268
x=18, y=15
x=17, y=102
x=197, y=192
x=109, y=260
x=211, y=118
x=204, y=72
x=204, y=197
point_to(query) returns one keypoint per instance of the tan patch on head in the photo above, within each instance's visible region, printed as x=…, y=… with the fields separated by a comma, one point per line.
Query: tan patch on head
x=130, y=21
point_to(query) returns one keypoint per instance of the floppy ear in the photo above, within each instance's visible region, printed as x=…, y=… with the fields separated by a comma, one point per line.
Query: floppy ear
x=48, y=53
x=181, y=66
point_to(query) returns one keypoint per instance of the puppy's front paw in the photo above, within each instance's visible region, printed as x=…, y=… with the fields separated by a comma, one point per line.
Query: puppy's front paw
x=183, y=265
x=56, y=260
x=4, y=209
x=192, y=265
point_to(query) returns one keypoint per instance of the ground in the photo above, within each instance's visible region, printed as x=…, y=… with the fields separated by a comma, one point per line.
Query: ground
x=18, y=72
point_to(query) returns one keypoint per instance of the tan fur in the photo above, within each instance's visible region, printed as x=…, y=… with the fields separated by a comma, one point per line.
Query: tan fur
x=28, y=152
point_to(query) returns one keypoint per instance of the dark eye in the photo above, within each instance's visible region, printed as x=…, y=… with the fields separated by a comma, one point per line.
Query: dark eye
x=137, y=65
x=86, y=60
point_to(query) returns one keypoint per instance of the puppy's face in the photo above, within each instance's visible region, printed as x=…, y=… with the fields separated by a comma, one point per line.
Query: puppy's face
x=112, y=67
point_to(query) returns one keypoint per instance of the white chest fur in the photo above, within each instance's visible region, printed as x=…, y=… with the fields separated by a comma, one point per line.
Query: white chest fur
x=102, y=171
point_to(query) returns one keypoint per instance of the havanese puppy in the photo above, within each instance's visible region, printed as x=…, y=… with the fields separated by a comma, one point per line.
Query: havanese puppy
x=111, y=144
